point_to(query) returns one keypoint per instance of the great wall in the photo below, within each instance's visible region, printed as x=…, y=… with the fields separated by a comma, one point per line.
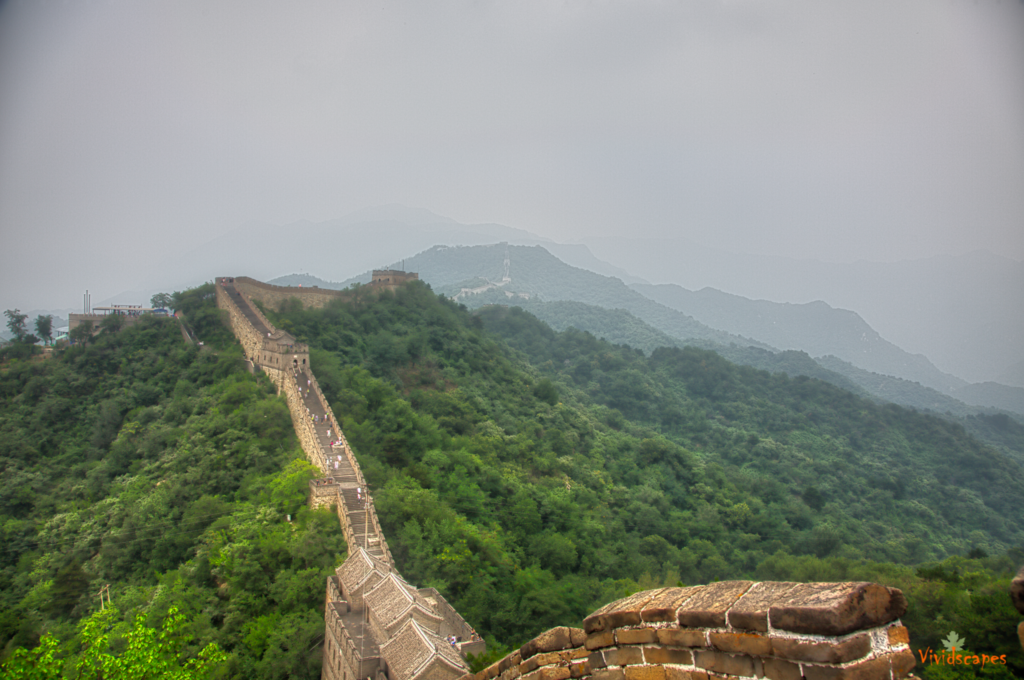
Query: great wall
x=379, y=627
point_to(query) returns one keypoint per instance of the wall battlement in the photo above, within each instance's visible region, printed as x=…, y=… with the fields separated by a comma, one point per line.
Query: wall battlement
x=730, y=629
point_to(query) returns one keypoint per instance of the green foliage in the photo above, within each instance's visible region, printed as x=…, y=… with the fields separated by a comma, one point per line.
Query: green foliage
x=44, y=327
x=166, y=471
x=145, y=653
x=534, y=477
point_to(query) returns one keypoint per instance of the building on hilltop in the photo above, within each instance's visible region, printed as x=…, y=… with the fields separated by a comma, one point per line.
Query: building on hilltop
x=380, y=627
x=390, y=279
x=129, y=313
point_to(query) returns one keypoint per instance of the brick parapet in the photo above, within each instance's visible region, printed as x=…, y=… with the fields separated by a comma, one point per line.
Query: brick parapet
x=734, y=629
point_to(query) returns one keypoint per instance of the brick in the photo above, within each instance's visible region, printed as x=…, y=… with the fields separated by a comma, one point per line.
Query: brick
x=596, y=660
x=573, y=654
x=605, y=638
x=777, y=669
x=624, y=612
x=672, y=673
x=511, y=674
x=623, y=656
x=635, y=636
x=578, y=669
x=836, y=608
x=548, y=673
x=850, y=649
x=509, y=661
x=1020, y=632
x=608, y=674
x=742, y=643
x=707, y=607
x=898, y=635
x=751, y=611
x=676, y=637
x=666, y=604
x=538, y=660
x=668, y=655
x=577, y=636
x=645, y=673
x=727, y=664
x=491, y=671
x=548, y=641
x=896, y=665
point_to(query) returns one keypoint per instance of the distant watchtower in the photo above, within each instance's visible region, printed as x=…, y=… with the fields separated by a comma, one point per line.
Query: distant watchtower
x=281, y=351
x=389, y=279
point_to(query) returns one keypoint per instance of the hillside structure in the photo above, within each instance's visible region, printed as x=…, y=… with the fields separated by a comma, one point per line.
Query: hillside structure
x=377, y=625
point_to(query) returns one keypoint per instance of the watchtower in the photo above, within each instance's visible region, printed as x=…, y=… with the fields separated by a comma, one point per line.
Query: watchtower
x=281, y=352
x=389, y=279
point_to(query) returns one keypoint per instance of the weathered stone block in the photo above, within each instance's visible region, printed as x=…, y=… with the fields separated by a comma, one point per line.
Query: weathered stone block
x=777, y=669
x=577, y=636
x=899, y=635
x=608, y=674
x=556, y=638
x=645, y=673
x=669, y=655
x=672, y=673
x=596, y=661
x=727, y=664
x=1017, y=590
x=512, y=659
x=578, y=669
x=707, y=607
x=635, y=636
x=538, y=660
x=624, y=612
x=895, y=665
x=677, y=637
x=548, y=673
x=836, y=608
x=742, y=643
x=623, y=656
x=667, y=603
x=751, y=611
x=605, y=638
x=850, y=649
x=573, y=654
x=1020, y=633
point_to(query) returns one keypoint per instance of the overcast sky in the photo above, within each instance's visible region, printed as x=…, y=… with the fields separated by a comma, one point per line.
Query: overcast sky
x=835, y=130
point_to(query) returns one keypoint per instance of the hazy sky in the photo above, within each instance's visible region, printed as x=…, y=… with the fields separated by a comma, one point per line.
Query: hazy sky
x=835, y=130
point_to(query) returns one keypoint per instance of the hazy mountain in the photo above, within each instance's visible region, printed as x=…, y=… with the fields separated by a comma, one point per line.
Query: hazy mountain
x=992, y=395
x=964, y=312
x=533, y=272
x=813, y=327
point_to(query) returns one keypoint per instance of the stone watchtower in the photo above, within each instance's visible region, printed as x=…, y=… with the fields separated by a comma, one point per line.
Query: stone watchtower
x=390, y=279
x=280, y=351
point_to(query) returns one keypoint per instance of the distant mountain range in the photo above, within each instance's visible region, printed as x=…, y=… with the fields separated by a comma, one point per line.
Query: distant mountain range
x=963, y=313
x=853, y=354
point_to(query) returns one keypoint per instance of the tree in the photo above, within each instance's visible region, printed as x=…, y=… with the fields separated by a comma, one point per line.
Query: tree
x=44, y=326
x=81, y=333
x=112, y=323
x=146, y=653
x=16, y=322
x=161, y=300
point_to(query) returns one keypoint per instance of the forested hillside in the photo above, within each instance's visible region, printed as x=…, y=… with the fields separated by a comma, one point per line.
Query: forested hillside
x=533, y=475
x=168, y=472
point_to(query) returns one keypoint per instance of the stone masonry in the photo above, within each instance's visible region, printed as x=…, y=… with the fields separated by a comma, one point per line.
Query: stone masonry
x=730, y=629
x=376, y=624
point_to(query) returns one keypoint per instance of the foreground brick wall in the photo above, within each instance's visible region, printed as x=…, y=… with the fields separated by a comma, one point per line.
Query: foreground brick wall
x=731, y=629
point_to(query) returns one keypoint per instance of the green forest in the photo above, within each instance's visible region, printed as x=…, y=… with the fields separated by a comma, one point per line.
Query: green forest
x=529, y=475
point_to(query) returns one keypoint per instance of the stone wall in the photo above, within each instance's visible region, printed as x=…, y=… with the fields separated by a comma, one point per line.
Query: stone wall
x=273, y=296
x=731, y=629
